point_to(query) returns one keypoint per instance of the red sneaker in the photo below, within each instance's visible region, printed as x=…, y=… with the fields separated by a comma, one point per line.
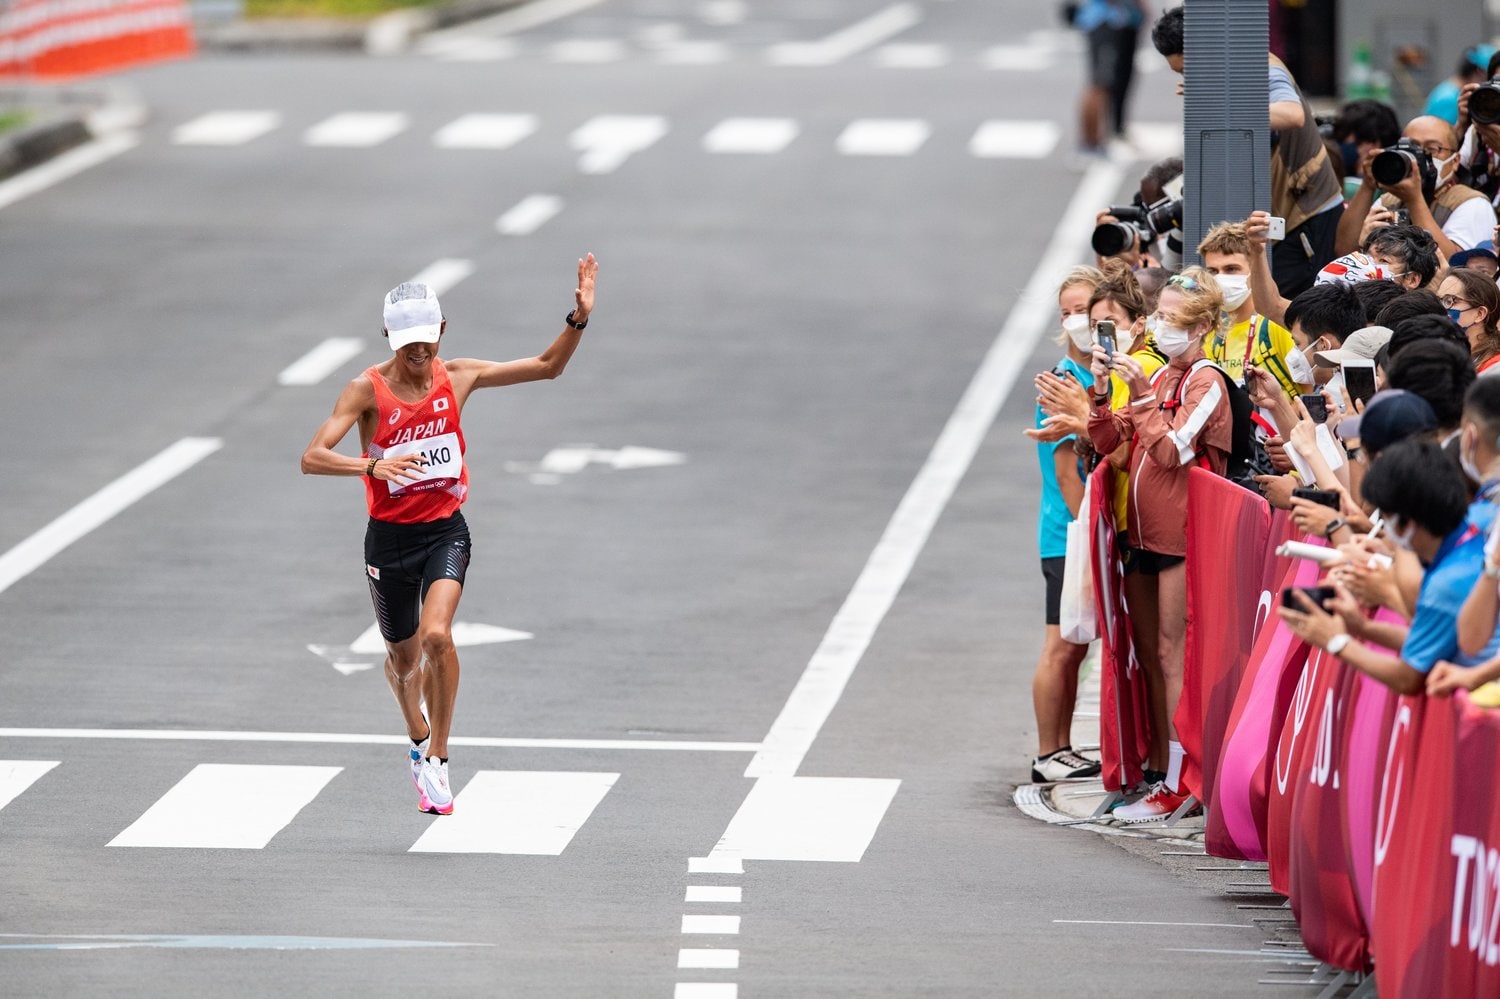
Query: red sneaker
x=1159, y=803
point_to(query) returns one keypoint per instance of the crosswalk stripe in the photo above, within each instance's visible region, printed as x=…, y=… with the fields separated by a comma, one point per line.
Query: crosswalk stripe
x=356, y=129
x=517, y=812
x=1017, y=58
x=588, y=50
x=1015, y=140
x=17, y=775
x=225, y=128
x=609, y=140
x=690, y=52
x=750, y=135
x=485, y=131
x=883, y=137
x=528, y=215
x=911, y=55
x=227, y=806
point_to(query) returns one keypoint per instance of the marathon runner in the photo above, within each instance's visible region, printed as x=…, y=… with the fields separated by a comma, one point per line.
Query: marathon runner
x=417, y=543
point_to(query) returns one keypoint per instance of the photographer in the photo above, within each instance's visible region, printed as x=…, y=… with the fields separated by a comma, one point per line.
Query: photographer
x=1362, y=126
x=1419, y=176
x=1305, y=187
x=1479, y=121
x=1133, y=233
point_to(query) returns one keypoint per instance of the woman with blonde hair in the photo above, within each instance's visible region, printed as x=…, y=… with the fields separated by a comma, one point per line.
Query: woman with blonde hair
x=1054, y=686
x=1175, y=419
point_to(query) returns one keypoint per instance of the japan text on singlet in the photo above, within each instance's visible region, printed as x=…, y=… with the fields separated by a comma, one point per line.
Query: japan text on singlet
x=429, y=429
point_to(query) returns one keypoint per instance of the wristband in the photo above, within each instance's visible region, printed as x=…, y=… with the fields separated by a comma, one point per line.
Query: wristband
x=1101, y=400
x=1336, y=644
x=1334, y=525
x=370, y=468
x=569, y=320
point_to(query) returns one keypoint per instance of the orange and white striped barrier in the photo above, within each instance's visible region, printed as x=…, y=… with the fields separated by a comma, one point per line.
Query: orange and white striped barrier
x=63, y=39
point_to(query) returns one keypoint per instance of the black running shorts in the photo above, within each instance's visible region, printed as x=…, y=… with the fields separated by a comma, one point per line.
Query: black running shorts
x=403, y=560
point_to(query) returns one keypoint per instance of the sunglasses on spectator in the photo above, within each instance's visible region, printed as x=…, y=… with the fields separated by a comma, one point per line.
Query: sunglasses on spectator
x=1182, y=281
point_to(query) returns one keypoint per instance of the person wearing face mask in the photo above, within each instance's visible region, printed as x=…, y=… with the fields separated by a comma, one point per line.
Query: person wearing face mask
x=1249, y=338
x=1457, y=216
x=1054, y=685
x=1473, y=302
x=1425, y=503
x=1321, y=319
x=1178, y=418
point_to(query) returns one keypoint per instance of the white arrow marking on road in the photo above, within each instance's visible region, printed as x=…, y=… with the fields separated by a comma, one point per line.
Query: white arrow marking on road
x=370, y=643
x=575, y=458
x=609, y=140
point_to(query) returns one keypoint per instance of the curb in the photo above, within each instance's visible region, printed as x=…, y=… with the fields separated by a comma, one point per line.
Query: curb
x=70, y=119
x=386, y=34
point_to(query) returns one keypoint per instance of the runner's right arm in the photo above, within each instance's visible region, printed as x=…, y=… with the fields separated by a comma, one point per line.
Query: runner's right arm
x=320, y=458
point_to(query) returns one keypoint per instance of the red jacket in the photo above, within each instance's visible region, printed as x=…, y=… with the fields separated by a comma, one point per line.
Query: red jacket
x=1169, y=436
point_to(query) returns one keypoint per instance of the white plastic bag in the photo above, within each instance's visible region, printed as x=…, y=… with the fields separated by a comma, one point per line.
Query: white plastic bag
x=1077, y=617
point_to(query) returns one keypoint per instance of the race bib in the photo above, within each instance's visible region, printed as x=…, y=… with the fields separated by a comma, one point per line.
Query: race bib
x=442, y=458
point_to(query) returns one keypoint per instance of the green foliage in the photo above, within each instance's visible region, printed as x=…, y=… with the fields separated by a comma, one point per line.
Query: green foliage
x=326, y=8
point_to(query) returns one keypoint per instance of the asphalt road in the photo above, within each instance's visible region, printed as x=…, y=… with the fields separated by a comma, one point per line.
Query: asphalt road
x=794, y=327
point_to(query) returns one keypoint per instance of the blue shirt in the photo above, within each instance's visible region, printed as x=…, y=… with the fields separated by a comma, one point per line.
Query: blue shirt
x=1445, y=586
x=1053, y=520
x=1113, y=13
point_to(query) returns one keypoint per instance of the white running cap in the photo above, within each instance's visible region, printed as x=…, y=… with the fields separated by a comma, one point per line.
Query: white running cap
x=412, y=315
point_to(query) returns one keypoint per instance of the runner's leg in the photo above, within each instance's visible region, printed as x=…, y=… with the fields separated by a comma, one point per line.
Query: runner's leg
x=403, y=671
x=440, y=678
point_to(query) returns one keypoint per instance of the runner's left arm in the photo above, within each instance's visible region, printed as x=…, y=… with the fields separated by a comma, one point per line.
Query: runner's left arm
x=471, y=374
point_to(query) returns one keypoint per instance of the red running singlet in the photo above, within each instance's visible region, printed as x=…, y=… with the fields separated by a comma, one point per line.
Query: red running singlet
x=429, y=429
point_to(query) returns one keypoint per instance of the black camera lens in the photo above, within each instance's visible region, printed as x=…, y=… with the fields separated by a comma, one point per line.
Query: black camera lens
x=1484, y=104
x=1391, y=166
x=1111, y=238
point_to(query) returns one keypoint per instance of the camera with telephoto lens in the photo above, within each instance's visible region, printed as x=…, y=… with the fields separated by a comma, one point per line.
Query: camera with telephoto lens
x=1394, y=164
x=1484, y=104
x=1146, y=221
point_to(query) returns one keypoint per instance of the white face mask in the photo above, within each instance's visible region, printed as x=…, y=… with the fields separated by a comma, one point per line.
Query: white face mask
x=1442, y=165
x=1403, y=540
x=1077, y=328
x=1173, y=341
x=1236, y=288
x=1466, y=457
x=1299, y=368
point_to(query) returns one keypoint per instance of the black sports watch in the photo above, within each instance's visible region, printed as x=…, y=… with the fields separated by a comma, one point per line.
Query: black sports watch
x=569, y=320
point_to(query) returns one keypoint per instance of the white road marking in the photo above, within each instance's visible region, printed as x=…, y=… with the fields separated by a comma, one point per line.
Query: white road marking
x=707, y=957
x=838, y=655
x=1139, y=922
x=194, y=941
x=912, y=56
x=587, y=51
x=485, y=131
x=464, y=48
x=609, y=140
x=67, y=528
x=1017, y=58
x=1154, y=140
x=226, y=128
x=320, y=362
x=706, y=990
x=693, y=52
x=521, y=18
x=722, y=864
x=722, y=13
x=356, y=129
x=60, y=168
x=808, y=818
x=1030, y=140
x=842, y=44
x=17, y=775
x=528, y=215
x=535, y=813
x=712, y=893
x=466, y=634
x=368, y=739
x=750, y=135
x=883, y=137
x=442, y=274
x=722, y=925
x=227, y=806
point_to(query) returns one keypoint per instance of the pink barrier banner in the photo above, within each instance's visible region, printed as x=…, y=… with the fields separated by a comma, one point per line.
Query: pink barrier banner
x=1320, y=875
x=1124, y=722
x=1437, y=853
x=1291, y=765
x=1236, y=825
x=1231, y=542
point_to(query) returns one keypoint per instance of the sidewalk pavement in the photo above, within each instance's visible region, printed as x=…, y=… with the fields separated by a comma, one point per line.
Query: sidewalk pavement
x=70, y=115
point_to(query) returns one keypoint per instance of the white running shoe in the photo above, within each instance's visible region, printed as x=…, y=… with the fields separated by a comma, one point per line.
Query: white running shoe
x=433, y=783
x=419, y=753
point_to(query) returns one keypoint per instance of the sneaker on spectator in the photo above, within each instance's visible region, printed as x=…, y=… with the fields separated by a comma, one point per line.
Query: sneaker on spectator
x=433, y=783
x=1159, y=803
x=1063, y=764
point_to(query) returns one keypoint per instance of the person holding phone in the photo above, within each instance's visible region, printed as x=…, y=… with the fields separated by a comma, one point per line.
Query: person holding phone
x=1178, y=418
x=1054, y=685
x=1424, y=500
